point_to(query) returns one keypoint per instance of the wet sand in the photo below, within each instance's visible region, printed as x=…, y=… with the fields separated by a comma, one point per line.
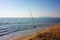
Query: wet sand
x=50, y=33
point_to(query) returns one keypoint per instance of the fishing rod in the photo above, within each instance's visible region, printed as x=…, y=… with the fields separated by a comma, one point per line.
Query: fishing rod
x=32, y=18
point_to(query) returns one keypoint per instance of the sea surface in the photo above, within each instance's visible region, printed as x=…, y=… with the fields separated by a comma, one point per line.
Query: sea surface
x=12, y=25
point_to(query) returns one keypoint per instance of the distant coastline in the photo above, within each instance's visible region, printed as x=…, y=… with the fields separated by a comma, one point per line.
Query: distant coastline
x=30, y=17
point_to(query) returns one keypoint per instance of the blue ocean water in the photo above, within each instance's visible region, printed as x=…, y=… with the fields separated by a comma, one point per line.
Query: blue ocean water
x=10, y=25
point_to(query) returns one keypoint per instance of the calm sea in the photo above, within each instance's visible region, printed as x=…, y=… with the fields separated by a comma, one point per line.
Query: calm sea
x=11, y=25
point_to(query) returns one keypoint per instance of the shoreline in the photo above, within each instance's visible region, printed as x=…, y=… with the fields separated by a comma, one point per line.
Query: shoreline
x=30, y=36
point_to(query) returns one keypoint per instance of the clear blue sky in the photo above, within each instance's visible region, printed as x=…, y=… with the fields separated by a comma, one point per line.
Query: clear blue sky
x=20, y=8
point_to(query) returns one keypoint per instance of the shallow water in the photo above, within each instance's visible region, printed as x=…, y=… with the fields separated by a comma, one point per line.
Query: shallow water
x=13, y=26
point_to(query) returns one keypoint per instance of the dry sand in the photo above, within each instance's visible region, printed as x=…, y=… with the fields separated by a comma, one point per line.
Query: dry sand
x=51, y=33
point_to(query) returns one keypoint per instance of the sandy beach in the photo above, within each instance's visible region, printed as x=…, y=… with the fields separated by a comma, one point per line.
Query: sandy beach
x=50, y=33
